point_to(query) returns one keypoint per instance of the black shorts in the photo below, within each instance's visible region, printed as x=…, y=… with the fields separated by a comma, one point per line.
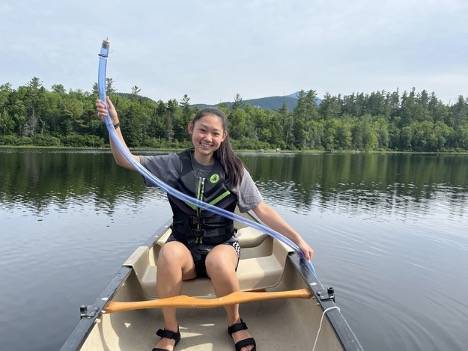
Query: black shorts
x=200, y=251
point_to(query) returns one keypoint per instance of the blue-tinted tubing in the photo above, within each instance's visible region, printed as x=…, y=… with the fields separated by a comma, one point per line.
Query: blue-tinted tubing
x=104, y=53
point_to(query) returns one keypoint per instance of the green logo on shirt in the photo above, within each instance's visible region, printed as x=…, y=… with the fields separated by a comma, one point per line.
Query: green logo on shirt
x=214, y=178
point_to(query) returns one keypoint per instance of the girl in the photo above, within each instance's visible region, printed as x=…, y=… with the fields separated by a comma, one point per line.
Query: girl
x=202, y=243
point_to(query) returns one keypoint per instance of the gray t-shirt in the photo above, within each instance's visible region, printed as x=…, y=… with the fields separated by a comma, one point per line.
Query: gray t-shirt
x=168, y=168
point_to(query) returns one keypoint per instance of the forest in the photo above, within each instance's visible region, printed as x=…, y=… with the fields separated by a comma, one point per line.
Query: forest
x=380, y=120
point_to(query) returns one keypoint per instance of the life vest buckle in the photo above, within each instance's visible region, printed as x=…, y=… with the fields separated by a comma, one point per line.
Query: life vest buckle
x=197, y=221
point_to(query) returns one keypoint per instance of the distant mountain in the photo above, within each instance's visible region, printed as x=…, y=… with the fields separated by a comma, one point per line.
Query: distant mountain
x=135, y=97
x=269, y=102
x=273, y=102
x=294, y=95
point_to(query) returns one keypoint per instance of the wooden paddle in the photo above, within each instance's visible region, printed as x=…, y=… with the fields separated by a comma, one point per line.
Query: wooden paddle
x=184, y=301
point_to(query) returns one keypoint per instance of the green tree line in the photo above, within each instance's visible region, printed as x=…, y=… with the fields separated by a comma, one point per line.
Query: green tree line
x=381, y=120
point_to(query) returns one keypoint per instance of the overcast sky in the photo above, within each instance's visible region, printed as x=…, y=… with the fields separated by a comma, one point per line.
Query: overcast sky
x=212, y=50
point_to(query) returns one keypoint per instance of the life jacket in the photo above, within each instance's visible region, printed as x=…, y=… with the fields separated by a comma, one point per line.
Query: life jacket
x=191, y=224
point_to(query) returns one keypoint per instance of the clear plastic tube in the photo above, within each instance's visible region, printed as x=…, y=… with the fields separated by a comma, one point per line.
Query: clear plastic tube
x=104, y=53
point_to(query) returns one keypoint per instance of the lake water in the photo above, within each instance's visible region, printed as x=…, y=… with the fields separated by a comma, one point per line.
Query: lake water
x=390, y=233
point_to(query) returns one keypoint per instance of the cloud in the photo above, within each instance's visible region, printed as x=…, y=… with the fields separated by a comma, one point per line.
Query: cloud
x=212, y=50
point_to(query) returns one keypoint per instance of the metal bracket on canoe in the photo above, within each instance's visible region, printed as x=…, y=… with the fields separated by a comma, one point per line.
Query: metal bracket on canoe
x=327, y=295
x=88, y=311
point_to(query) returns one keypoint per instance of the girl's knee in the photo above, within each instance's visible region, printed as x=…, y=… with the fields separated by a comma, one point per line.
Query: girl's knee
x=173, y=253
x=218, y=265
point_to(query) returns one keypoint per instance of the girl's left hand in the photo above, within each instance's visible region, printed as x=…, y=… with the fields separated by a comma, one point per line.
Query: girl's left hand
x=306, y=249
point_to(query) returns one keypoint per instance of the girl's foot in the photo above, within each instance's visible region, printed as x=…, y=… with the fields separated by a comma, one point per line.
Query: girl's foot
x=242, y=338
x=169, y=340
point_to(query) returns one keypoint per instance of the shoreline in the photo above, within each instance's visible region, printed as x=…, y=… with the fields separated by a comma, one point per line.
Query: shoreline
x=243, y=151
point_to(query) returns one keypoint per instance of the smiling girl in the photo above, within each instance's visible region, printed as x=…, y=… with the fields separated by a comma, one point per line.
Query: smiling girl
x=203, y=244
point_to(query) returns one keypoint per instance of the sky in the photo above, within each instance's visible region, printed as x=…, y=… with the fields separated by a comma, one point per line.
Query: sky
x=213, y=50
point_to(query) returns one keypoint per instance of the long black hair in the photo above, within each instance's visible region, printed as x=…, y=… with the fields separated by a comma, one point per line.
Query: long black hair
x=231, y=163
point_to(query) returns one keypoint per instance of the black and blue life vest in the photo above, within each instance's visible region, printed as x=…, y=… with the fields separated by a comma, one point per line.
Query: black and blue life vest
x=191, y=224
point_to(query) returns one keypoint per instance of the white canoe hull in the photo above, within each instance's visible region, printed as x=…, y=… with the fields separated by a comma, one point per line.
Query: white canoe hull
x=265, y=265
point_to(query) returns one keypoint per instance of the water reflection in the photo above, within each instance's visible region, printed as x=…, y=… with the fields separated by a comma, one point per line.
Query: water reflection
x=350, y=182
x=39, y=179
x=363, y=182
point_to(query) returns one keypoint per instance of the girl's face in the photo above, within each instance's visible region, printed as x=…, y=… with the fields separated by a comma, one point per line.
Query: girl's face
x=207, y=134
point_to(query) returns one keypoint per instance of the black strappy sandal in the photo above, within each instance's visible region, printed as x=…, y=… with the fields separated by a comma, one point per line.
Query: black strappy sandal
x=168, y=334
x=245, y=342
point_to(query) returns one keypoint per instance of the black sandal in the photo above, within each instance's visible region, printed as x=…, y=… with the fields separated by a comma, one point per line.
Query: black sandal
x=245, y=342
x=168, y=334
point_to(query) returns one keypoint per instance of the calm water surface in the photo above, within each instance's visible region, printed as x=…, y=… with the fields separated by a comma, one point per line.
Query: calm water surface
x=390, y=233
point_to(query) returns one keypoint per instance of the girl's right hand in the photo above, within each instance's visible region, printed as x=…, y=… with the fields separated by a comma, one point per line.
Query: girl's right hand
x=103, y=109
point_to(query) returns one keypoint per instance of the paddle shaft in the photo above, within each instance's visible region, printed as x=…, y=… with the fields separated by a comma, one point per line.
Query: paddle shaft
x=184, y=301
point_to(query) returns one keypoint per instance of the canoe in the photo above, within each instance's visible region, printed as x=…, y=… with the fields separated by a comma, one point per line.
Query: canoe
x=267, y=267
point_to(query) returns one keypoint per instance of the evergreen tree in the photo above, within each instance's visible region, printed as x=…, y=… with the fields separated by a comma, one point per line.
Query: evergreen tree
x=416, y=121
x=135, y=90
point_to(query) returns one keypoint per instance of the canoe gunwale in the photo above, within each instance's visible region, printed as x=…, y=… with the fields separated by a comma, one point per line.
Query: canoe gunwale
x=85, y=325
x=346, y=336
x=78, y=336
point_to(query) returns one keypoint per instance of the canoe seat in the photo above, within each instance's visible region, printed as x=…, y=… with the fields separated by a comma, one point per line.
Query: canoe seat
x=254, y=273
x=248, y=237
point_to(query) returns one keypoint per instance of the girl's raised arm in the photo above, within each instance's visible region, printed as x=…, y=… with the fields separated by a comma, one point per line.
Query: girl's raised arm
x=102, y=110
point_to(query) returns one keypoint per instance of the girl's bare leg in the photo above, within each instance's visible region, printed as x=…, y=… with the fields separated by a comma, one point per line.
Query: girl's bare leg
x=221, y=265
x=175, y=264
